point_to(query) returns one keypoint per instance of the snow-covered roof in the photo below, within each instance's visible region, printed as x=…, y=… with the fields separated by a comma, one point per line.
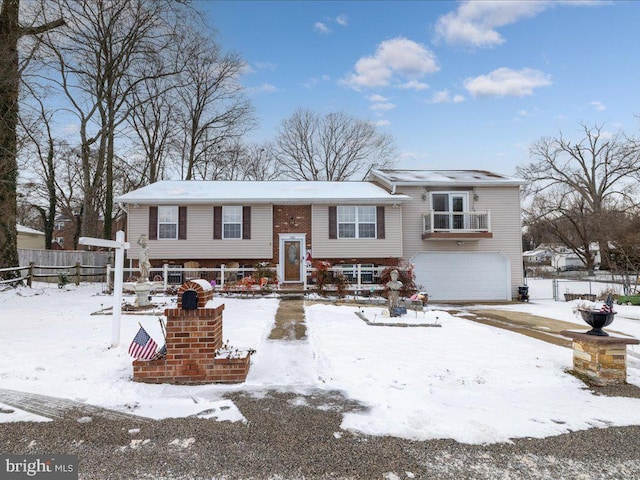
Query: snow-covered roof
x=444, y=178
x=28, y=230
x=281, y=192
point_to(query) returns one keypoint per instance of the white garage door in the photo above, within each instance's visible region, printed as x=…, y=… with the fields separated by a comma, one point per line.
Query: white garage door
x=463, y=275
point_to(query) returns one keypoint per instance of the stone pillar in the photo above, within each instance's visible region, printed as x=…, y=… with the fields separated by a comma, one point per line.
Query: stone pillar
x=603, y=360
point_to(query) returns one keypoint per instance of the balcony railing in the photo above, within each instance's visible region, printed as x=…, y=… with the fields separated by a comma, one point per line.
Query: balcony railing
x=456, y=225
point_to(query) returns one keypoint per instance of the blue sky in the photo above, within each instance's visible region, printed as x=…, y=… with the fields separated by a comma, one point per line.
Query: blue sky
x=458, y=84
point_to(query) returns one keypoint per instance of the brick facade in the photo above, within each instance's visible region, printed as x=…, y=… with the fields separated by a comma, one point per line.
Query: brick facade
x=290, y=219
x=193, y=337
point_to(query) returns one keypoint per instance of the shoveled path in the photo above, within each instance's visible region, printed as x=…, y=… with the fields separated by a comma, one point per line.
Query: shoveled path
x=287, y=351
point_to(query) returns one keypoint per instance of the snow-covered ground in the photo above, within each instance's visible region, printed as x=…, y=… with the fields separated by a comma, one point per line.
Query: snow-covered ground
x=465, y=381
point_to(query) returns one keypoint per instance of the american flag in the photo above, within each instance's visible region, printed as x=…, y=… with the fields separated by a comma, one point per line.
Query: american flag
x=162, y=353
x=608, y=305
x=142, y=347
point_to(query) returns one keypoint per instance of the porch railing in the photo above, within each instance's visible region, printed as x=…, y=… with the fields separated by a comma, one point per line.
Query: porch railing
x=360, y=276
x=460, y=222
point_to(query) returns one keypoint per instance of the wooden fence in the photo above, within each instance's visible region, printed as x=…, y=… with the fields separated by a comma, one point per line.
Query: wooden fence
x=55, y=266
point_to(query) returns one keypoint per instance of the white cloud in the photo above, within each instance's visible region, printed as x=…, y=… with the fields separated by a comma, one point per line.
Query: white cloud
x=264, y=88
x=395, y=59
x=265, y=65
x=382, y=106
x=321, y=28
x=382, y=123
x=476, y=23
x=377, y=98
x=414, y=85
x=314, y=81
x=599, y=106
x=342, y=20
x=507, y=82
x=443, y=96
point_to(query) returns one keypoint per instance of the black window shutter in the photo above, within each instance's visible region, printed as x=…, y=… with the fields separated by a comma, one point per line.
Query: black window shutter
x=217, y=223
x=380, y=221
x=333, y=223
x=246, y=223
x=153, y=223
x=182, y=223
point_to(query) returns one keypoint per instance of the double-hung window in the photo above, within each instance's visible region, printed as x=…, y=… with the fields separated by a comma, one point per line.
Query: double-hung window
x=167, y=222
x=231, y=222
x=356, y=222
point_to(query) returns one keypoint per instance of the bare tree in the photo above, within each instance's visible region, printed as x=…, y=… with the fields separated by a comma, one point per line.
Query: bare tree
x=576, y=186
x=153, y=121
x=108, y=50
x=333, y=147
x=10, y=71
x=213, y=110
x=42, y=146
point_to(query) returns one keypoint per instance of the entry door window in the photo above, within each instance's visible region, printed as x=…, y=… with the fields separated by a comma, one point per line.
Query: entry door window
x=292, y=260
x=449, y=210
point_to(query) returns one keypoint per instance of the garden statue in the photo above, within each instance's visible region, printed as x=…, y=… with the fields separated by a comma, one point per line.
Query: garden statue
x=143, y=259
x=393, y=294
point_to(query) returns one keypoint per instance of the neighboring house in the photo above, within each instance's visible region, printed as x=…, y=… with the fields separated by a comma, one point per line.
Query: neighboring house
x=30, y=238
x=64, y=229
x=538, y=257
x=461, y=229
x=565, y=259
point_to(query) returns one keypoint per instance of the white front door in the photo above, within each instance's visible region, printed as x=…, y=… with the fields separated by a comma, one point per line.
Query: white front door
x=292, y=252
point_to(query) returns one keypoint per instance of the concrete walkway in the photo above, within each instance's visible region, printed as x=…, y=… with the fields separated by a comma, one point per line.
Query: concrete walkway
x=289, y=321
x=57, y=408
x=287, y=352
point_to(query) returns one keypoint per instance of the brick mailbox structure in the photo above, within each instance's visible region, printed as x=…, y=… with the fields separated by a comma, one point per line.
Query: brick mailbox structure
x=195, y=352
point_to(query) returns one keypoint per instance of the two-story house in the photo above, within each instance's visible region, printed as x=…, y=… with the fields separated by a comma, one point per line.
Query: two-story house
x=462, y=230
x=459, y=228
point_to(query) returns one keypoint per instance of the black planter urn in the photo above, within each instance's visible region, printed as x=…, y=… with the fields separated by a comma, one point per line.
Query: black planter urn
x=597, y=320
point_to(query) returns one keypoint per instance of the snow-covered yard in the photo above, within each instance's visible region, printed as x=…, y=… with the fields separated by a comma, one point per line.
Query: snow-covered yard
x=465, y=381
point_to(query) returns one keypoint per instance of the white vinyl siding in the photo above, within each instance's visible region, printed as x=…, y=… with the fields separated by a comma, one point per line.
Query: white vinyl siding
x=199, y=243
x=350, y=248
x=502, y=202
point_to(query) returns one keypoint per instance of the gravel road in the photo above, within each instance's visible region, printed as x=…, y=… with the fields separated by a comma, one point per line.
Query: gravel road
x=294, y=437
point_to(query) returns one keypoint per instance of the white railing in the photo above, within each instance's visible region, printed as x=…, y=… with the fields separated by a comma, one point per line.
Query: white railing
x=360, y=276
x=460, y=222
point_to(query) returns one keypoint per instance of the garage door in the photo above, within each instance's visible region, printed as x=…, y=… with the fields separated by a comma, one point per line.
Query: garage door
x=463, y=275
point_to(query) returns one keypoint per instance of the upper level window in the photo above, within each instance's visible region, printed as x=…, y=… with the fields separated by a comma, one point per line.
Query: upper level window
x=168, y=222
x=232, y=222
x=58, y=226
x=356, y=222
x=452, y=205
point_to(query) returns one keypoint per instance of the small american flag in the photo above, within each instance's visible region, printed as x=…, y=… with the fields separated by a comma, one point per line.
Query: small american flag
x=608, y=305
x=142, y=347
x=162, y=353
